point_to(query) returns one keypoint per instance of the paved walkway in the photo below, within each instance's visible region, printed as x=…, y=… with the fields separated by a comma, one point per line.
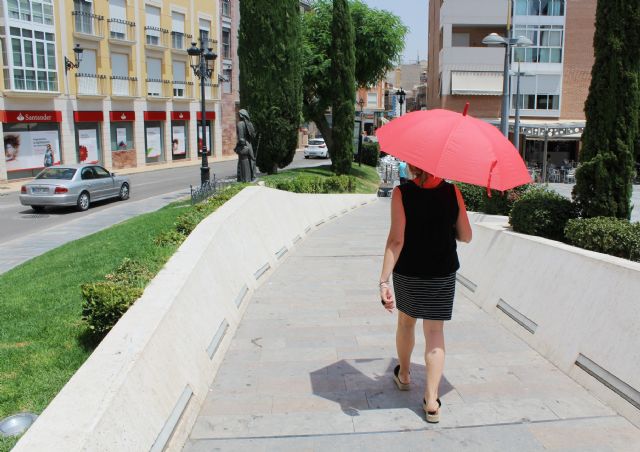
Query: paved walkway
x=310, y=369
x=17, y=251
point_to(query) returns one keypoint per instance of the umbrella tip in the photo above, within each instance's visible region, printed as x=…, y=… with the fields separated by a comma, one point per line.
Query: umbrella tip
x=466, y=109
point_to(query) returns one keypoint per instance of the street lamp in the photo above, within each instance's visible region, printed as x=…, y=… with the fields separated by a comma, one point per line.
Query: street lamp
x=495, y=39
x=361, y=104
x=401, y=95
x=68, y=64
x=202, y=64
x=516, y=130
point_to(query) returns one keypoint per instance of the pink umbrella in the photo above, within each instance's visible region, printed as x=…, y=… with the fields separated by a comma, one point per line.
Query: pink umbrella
x=454, y=146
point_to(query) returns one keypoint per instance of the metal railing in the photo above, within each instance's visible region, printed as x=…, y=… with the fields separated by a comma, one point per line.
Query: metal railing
x=87, y=23
x=90, y=84
x=123, y=86
x=180, y=41
x=211, y=188
x=122, y=30
x=158, y=88
x=156, y=36
x=183, y=89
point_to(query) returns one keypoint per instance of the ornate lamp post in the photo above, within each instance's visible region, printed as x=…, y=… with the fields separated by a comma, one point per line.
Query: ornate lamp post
x=68, y=64
x=361, y=104
x=202, y=64
x=495, y=39
x=401, y=95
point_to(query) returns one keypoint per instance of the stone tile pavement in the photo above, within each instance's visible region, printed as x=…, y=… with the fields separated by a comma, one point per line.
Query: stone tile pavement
x=310, y=369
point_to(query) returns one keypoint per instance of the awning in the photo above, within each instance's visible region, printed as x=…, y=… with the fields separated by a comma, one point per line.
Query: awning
x=476, y=83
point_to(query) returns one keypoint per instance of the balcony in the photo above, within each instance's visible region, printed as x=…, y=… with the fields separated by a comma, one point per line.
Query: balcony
x=123, y=86
x=158, y=88
x=180, y=41
x=156, y=36
x=182, y=90
x=122, y=31
x=87, y=25
x=211, y=91
x=90, y=84
x=472, y=58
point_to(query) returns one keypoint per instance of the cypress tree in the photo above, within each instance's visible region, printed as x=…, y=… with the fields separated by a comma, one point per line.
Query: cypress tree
x=604, y=177
x=269, y=51
x=343, y=65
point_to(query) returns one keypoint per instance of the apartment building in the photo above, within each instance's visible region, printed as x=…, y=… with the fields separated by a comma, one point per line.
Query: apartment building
x=132, y=100
x=230, y=70
x=555, y=72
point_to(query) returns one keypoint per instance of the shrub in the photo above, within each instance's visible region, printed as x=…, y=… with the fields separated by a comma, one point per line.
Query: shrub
x=130, y=272
x=370, y=154
x=105, y=302
x=188, y=221
x=542, y=212
x=608, y=235
x=315, y=184
x=501, y=203
x=169, y=238
x=472, y=195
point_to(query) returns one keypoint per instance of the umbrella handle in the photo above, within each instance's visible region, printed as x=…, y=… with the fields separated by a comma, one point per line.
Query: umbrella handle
x=466, y=109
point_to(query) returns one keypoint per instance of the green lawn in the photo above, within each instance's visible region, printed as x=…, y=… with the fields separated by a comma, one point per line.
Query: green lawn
x=43, y=340
x=367, y=179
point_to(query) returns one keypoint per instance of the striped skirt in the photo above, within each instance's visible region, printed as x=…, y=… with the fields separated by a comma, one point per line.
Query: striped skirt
x=420, y=298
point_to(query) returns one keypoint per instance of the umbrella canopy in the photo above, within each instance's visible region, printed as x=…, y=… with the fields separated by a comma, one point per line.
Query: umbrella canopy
x=454, y=146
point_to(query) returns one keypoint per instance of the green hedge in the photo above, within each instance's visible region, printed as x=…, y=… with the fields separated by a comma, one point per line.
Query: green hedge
x=315, y=184
x=370, y=154
x=542, y=212
x=472, y=195
x=476, y=199
x=605, y=235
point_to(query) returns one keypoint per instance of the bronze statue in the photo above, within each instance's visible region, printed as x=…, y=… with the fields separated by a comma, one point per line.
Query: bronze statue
x=244, y=148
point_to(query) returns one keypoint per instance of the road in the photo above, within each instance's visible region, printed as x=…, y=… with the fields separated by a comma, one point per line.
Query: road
x=565, y=190
x=18, y=221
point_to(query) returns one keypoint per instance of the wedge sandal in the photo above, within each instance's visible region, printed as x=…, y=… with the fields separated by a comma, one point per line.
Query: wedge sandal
x=396, y=377
x=433, y=417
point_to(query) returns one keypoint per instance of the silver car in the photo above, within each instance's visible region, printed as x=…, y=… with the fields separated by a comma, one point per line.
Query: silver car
x=73, y=185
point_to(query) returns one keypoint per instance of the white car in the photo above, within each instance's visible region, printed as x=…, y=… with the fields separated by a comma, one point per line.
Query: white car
x=316, y=148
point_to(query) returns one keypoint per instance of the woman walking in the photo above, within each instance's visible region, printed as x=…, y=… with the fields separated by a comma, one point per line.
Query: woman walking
x=427, y=216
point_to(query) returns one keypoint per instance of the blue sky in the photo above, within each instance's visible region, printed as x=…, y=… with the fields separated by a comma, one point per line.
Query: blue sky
x=414, y=14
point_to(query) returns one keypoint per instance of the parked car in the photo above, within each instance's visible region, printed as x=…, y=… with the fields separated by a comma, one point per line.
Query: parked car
x=73, y=185
x=316, y=148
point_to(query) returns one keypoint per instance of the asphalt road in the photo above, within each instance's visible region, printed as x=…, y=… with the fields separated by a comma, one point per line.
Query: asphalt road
x=17, y=221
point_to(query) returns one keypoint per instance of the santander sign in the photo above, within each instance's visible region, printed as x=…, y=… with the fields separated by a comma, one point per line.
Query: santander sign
x=30, y=116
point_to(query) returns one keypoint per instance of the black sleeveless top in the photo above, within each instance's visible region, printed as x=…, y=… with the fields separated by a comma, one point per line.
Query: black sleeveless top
x=429, y=248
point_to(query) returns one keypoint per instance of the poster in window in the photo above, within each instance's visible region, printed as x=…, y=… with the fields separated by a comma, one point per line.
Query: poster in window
x=178, y=140
x=200, y=140
x=121, y=138
x=31, y=150
x=154, y=142
x=88, y=145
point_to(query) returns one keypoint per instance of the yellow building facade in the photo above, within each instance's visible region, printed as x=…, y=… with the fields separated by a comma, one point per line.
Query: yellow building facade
x=128, y=99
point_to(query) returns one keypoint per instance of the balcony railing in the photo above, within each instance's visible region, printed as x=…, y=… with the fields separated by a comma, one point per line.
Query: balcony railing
x=123, y=86
x=88, y=23
x=183, y=90
x=122, y=30
x=90, y=84
x=158, y=88
x=156, y=36
x=180, y=41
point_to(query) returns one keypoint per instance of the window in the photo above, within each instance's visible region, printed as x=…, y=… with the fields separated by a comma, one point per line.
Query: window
x=118, y=11
x=153, y=25
x=86, y=75
x=226, y=43
x=227, y=83
x=120, y=74
x=34, y=60
x=205, y=30
x=547, y=43
x=39, y=11
x=460, y=39
x=372, y=100
x=121, y=136
x=179, y=79
x=154, y=77
x=537, y=101
x=83, y=16
x=177, y=30
x=226, y=8
x=539, y=8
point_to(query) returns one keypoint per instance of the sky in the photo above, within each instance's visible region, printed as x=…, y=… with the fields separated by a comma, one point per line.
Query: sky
x=414, y=14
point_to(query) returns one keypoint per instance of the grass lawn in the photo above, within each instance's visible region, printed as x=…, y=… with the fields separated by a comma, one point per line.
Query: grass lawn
x=367, y=179
x=42, y=337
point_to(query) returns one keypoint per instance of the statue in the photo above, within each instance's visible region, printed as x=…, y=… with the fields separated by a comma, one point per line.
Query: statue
x=244, y=148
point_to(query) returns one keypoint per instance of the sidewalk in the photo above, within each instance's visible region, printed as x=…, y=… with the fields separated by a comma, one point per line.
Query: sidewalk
x=311, y=363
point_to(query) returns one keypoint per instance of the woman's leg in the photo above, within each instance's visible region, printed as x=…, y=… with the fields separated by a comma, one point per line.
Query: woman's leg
x=405, y=340
x=434, y=359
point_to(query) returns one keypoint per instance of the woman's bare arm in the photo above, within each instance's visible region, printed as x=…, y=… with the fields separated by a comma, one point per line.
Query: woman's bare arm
x=392, y=250
x=463, y=228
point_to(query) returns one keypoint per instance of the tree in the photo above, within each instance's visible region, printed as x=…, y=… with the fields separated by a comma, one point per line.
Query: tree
x=343, y=67
x=269, y=50
x=379, y=40
x=604, y=177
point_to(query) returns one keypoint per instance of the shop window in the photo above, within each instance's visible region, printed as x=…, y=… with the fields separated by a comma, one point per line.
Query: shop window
x=25, y=146
x=122, y=136
x=89, y=149
x=154, y=141
x=179, y=140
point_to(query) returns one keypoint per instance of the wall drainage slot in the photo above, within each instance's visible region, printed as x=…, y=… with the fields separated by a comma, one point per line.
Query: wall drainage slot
x=262, y=270
x=296, y=239
x=612, y=382
x=364, y=203
x=522, y=320
x=320, y=223
x=466, y=282
x=171, y=423
x=281, y=252
x=354, y=207
x=307, y=229
x=344, y=211
x=241, y=295
x=333, y=216
x=217, y=339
